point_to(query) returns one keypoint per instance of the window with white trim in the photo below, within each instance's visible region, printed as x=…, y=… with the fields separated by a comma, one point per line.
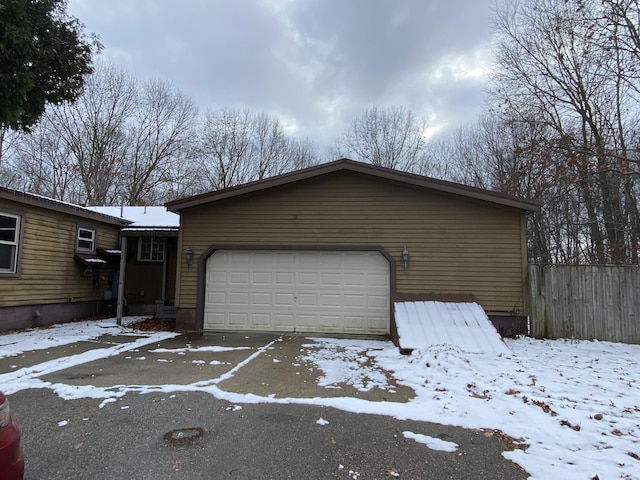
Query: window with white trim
x=86, y=241
x=9, y=242
x=151, y=249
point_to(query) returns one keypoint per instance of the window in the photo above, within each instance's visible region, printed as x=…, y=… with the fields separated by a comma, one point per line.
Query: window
x=151, y=249
x=9, y=241
x=86, y=241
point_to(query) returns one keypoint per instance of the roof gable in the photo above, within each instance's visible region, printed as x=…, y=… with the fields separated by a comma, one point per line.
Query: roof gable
x=363, y=168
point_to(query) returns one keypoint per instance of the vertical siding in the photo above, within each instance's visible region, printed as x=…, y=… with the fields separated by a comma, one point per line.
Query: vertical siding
x=585, y=302
x=48, y=271
x=457, y=245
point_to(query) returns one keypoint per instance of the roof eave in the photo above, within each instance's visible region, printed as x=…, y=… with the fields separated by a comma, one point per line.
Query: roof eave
x=345, y=164
x=62, y=207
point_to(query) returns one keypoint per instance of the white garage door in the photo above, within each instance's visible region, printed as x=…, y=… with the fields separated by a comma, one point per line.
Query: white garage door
x=297, y=291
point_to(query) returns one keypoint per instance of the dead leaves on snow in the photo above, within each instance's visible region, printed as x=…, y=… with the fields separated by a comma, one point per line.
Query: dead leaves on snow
x=471, y=387
x=510, y=442
x=566, y=423
x=545, y=408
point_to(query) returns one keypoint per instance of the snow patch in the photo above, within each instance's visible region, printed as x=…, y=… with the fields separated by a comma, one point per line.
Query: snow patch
x=432, y=443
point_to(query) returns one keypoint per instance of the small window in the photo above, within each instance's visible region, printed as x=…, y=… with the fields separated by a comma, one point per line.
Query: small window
x=151, y=249
x=86, y=240
x=9, y=242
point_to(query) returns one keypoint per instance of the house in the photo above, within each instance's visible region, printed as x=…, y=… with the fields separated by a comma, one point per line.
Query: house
x=151, y=255
x=57, y=260
x=331, y=247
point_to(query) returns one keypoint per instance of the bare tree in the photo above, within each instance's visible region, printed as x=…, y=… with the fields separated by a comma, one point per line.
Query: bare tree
x=162, y=125
x=119, y=136
x=94, y=129
x=391, y=137
x=560, y=63
x=240, y=146
x=8, y=176
x=225, y=147
x=43, y=160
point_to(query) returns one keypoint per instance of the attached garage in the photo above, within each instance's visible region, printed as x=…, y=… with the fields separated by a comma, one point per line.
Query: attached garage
x=321, y=250
x=297, y=291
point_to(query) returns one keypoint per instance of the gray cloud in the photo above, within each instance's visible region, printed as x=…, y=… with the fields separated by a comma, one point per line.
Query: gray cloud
x=315, y=63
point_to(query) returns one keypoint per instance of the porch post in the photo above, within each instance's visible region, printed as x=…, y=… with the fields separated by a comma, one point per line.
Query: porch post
x=123, y=264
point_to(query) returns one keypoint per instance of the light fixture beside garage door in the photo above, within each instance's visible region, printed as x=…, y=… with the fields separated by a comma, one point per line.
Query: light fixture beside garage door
x=188, y=256
x=405, y=258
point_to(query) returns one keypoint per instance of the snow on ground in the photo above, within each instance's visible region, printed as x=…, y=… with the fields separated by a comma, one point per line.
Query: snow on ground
x=573, y=407
x=63, y=334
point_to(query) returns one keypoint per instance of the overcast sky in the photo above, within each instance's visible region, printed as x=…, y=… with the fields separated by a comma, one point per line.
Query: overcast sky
x=316, y=64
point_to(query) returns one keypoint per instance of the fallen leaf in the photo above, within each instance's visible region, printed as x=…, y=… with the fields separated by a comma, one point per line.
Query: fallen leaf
x=77, y=445
x=392, y=473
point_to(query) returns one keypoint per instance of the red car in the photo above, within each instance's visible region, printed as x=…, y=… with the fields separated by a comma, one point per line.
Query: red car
x=11, y=459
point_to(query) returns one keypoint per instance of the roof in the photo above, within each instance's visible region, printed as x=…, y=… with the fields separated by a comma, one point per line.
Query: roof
x=144, y=217
x=59, y=206
x=461, y=324
x=349, y=165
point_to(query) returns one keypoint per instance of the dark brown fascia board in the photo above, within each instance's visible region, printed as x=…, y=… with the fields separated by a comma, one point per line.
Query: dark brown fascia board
x=359, y=167
x=58, y=206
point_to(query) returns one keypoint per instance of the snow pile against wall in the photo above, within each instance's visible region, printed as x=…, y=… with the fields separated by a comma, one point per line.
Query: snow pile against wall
x=462, y=324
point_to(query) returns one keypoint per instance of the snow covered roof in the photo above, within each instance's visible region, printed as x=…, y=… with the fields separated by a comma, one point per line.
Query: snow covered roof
x=143, y=218
x=59, y=206
x=461, y=324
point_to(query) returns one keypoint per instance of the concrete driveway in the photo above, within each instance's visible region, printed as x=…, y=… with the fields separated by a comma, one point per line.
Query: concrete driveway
x=184, y=408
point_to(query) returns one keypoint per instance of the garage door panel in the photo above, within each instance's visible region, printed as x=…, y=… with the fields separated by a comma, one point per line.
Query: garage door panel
x=282, y=321
x=308, y=278
x=260, y=321
x=238, y=259
x=238, y=319
x=375, y=280
x=284, y=300
x=216, y=320
x=217, y=298
x=309, y=291
x=261, y=299
x=217, y=276
x=262, y=278
x=354, y=301
x=285, y=278
x=307, y=300
x=239, y=298
x=330, y=280
x=239, y=278
x=285, y=260
x=327, y=300
x=377, y=301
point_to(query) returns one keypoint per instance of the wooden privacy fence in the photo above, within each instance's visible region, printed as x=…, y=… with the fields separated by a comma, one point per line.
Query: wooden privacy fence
x=585, y=302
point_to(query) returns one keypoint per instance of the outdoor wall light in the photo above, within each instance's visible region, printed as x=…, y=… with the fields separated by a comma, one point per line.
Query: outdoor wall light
x=188, y=256
x=405, y=258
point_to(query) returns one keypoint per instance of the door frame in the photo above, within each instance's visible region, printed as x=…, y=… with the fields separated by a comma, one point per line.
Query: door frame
x=202, y=267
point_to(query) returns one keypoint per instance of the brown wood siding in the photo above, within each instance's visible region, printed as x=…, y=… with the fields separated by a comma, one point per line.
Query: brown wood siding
x=456, y=245
x=143, y=280
x=48, y=272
